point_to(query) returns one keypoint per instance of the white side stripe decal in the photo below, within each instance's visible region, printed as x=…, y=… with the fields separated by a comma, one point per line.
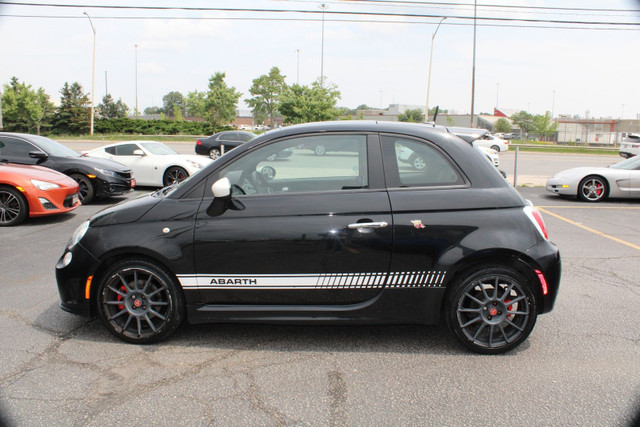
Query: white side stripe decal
x=405, y=279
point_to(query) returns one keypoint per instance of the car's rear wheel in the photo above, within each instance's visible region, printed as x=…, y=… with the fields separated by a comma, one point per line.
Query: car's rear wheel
x=417, y=162
x=496, y=148
x=140, y=302
x=593, y=189
x=320, y=150
x=86, y=191
x=491, y=310
x=173, y=175
x=13, y=207
x=214, y=153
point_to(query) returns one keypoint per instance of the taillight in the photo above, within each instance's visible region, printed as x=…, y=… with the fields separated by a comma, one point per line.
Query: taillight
x=543, y=282
x=536, y=218
x=198, y=142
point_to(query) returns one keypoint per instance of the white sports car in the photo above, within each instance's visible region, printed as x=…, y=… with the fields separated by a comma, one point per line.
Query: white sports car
x=621, y=180
x=153, y=163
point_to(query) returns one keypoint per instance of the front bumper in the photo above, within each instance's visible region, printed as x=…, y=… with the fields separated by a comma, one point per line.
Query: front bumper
x=561, y=187
x=113, y=186
x=73, y=277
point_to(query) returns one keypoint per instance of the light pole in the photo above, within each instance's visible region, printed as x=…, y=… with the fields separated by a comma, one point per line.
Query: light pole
x=136, y=46
x=473, y=72
x=298, y=67
x=323, y=7
x=426, y=107
x=93, y=72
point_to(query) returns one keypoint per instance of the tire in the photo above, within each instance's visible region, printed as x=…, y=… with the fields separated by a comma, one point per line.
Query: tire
x=173, y=175
x=140, y=302
x=417, y=162
x=86, y=191
x=491, y=310
x=593, y=189
x=496, y=148
x=320, y=150
x=13, y=207
x=214, y=153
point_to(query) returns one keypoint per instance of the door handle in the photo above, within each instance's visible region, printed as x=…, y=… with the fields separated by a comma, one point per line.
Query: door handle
x=359, y=225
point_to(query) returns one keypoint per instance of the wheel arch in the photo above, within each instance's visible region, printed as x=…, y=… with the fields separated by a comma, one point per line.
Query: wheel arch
x=24, y=198
x=111, y=258
x=520, y=262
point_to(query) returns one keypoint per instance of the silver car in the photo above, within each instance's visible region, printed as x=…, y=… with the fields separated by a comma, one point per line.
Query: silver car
x=621, y=180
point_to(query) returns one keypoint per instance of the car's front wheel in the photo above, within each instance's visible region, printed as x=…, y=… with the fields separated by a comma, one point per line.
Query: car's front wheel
x=86, y=191
x=417, y=162
x=140, y=302
x=13, y=207
x=173, y=175
x=491, y=310
x=593, y=189
x=496, y=148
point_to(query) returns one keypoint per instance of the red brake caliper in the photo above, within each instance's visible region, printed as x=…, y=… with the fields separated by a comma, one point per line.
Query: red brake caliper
x=510, y=316
x=120, y=298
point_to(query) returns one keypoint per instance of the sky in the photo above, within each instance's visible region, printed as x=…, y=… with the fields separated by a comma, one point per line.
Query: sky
x=375, y=52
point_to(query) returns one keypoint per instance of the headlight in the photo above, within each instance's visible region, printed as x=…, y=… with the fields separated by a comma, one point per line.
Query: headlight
x=106, y=172
x=44, y=185
x=195, y=164
x=78, y=234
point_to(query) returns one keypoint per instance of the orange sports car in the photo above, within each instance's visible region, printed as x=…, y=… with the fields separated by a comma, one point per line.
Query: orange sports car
x=34, y=191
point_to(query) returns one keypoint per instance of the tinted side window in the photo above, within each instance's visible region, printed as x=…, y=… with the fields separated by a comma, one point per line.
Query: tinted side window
x=110, y=150
x=16, y=148
x=419, y=164
x=126, y=149
x=244, y=137
x=288, y=166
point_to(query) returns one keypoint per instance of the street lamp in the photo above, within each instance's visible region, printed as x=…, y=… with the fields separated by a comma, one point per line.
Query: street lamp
x=323, y=7
x=433, y=36
x=93, y=72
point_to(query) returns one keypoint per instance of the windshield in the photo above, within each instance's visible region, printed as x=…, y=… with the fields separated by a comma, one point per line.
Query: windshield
x=157, y=148
x=628, y=164
x=52, y=147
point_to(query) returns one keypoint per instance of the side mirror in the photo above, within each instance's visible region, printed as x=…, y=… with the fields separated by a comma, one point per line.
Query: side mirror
x=221, y=188
x=40, y=156
x=138, y=152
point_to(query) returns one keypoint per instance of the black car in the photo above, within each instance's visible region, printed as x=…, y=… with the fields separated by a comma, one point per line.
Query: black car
x=359, y=237
x=96, y=177
x=221, y=142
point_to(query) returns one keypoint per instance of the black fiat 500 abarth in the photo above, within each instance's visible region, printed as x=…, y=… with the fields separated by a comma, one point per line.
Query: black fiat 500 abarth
x=355, y=236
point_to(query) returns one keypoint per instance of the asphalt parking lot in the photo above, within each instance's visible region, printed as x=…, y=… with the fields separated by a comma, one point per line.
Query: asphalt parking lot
x=580, y=366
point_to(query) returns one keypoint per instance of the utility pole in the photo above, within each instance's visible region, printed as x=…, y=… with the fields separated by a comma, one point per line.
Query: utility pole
x=0, y=107
x=426, y=106
x=473, y=72
x=137, y=113
x=323, y=7
x=298, y=67
x=93, y=72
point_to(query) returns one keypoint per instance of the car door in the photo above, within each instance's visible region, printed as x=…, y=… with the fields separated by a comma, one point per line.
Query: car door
x=301, y=230
x=140, y=165
x=16, y=150
x=427, y=193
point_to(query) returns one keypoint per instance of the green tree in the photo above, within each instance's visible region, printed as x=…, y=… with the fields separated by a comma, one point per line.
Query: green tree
x=110, y=109
x=195, y=104
x=524, y=120
x=303, y=104
x=153, y=110
x=72, y=116
x=502, y=125
x=544, y=126
x=172, y=100
x=415, y=116
x=266, y=91
x=25, y=109
x=221, y=102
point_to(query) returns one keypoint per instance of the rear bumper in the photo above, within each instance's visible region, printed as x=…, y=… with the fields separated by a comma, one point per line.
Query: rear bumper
x=547, y=256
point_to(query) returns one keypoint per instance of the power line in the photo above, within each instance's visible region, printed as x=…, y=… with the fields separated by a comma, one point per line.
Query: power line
x=361, y=21
x=347, y=13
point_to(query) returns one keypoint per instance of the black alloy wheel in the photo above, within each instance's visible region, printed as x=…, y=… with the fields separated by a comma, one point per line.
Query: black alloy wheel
x=13, y=207
x=492, y=310
x=593, y=189
x=139, y=302
x=496, y=148
x=86, y=191
x=214, y=153
x=173, y=175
